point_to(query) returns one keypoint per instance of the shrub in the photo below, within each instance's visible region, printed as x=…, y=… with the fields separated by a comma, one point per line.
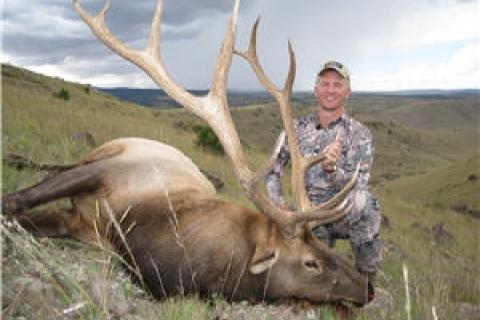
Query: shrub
x=62, y=94
x=207, y=139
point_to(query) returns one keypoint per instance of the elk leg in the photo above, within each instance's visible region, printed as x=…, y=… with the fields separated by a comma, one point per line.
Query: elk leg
x=81, y=179
x=49, y=222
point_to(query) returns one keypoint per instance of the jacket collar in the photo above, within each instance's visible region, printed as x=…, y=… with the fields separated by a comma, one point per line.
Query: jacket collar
x=314, y=117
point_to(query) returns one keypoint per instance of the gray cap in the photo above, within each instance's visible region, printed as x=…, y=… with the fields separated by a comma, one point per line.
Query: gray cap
x=337, y=66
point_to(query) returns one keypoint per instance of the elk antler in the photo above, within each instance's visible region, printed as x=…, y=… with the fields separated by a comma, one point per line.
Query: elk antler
x=214, y=109
x=299, y=163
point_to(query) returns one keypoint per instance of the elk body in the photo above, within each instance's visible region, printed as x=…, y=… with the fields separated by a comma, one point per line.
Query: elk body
x=151, y=204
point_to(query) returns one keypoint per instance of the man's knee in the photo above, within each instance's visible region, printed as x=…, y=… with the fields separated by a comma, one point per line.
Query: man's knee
x=368, y=255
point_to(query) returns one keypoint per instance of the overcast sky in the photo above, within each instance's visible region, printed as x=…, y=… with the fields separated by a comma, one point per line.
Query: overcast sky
x=386, y=44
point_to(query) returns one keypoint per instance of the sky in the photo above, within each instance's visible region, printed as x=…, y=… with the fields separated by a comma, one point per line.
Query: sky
x=386, y=45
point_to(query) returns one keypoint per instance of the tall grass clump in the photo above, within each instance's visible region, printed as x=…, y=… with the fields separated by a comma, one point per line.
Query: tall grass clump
x=37, y=284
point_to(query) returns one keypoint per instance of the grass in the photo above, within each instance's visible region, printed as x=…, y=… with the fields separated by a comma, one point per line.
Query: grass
x=51, y=278
x=421, y=174
x=441, y=272
x=452, y=186
x=48, y=274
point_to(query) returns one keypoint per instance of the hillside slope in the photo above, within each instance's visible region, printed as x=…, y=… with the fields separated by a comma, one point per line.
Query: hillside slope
x=454, y=186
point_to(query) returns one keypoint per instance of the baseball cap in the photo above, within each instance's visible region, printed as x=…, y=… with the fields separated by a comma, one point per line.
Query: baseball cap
x=337, y=66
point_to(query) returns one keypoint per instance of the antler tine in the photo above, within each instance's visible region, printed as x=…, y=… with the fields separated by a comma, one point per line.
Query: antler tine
x=102, y=31
x=224, y=61
x=326, y=216
x=338, y=206
x=154, y=42
x=340, y=196
x=288, y=86
x=251, y=56
x=252, y=46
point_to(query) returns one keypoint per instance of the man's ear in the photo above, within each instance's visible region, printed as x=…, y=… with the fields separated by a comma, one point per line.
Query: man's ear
x=349, y=94
x=263, y=259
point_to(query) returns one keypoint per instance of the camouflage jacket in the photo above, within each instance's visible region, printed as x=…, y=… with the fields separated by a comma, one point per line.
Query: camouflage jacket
x=321, y=185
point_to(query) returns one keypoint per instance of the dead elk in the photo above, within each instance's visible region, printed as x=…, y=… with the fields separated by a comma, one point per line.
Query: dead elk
x=154, y=207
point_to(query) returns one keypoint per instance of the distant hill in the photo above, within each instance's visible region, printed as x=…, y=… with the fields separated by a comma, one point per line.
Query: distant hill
x=455, y=112
x=159, y=99
x=424, y=93
x=456, y=186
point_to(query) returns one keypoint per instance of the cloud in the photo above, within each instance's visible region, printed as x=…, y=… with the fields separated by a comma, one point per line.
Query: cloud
x=109, y=72
x=46, y=23
x=376, y=39
x=132, y=19
x=445, y=23
x=459, y=71
x=432, y=44
x=56, y=36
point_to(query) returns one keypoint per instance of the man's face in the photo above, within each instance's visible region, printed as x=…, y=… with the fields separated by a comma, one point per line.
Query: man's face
x=332, y=90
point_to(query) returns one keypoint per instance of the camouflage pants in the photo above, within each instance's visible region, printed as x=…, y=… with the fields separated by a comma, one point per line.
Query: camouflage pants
x=362, y=229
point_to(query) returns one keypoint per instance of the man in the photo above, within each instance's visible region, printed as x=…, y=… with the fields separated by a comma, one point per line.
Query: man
x=345, y=142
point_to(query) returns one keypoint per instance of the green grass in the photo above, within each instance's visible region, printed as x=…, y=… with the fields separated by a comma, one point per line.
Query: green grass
x=453, y=186
x=442, y=271
x=420, y=173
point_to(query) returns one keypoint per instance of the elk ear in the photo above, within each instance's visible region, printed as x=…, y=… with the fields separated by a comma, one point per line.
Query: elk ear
x=263, y=259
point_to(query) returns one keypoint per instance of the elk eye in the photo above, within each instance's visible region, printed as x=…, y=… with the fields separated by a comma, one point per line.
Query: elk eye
x=311, y=264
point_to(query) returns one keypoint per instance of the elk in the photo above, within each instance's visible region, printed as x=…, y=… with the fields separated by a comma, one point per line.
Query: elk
x=151, y=204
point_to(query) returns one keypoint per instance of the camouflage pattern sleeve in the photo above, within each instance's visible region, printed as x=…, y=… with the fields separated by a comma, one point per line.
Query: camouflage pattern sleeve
x=272, y=179
x=364, y=156
x=359, y=151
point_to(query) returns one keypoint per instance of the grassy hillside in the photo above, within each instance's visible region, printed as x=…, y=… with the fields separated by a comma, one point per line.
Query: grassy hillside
x=454, y=186
x=425, y=174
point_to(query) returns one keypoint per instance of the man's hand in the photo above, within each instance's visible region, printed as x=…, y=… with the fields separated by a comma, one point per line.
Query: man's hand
x=332, y=153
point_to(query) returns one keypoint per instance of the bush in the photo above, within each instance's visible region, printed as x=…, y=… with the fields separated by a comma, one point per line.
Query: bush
x=63, y=94
x=207, y=139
